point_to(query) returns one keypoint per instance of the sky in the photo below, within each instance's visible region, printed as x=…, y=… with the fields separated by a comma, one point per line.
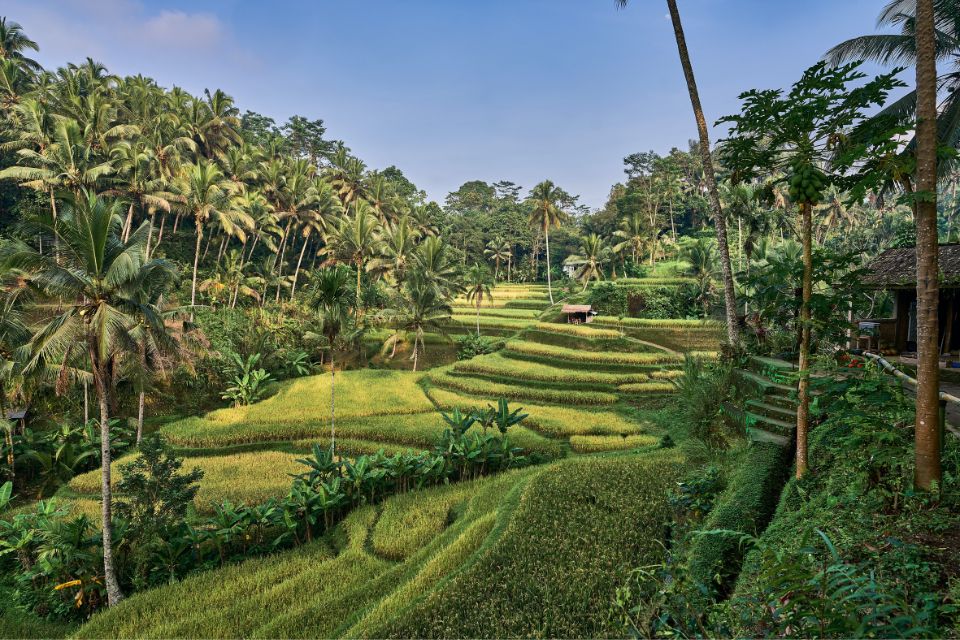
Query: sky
x=458, y=90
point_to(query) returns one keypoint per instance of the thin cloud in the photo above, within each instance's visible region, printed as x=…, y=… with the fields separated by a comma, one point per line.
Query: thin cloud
x=183, y=30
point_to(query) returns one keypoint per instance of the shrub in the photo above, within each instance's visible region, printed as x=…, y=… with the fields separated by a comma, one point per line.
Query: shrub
x=641, y=300
x=472, y=345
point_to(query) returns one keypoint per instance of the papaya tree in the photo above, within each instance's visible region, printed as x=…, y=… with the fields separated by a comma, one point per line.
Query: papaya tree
x=803, y=137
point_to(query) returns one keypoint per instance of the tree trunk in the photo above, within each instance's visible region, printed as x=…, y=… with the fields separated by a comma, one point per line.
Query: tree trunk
x=546, y=237
x=927, y=432
x=296, y=272
x=176, y=222
x=803, y=387
x=11, y=460
x=140, y=407
x=150, y=235
x=114, y=595
x=223, y=244
x=478, y=317
x=86, y=403
x=163, y=221
x=128, y=223
x=196, y=264
x=729, y=295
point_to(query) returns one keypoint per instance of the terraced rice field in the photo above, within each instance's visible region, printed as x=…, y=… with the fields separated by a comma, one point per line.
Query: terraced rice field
x=540, y=551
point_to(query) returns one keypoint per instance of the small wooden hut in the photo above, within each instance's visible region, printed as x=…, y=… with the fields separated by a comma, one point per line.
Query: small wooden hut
x=578, y=313
x=895, y=270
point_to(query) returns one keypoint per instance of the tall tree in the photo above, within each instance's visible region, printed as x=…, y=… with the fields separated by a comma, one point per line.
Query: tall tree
x=546, y=200
x=97, y=282
x=331, y=297
x=720, y=224
x=927, y=435
x=477, y=281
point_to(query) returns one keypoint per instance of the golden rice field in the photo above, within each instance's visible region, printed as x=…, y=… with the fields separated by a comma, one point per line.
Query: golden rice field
x=497, y=312
x=597, y=357
x=492, y=322
x=596, y=444
x=540, y=551
x=484, y=387
x=579, y=330
x=496, y=364
x=251, y=477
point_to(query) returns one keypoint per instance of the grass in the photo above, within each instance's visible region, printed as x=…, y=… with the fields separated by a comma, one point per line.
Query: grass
x=527, y=303
x=578, y=330
x=553, y=571
x=532, y=552
x=252, y=477
x=481, y=387
x=594, y=444
x=647, y=387
x=587, y=357
x=496, y=312
x=470, y=320
x=679, y=335
x=653, y=322
x=495, y=364
x=552, y=420
x=301, y=409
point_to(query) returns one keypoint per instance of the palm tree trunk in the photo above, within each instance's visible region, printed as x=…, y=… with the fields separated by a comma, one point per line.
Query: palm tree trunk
x=140, y=406
x=803, y=387
x=206, y=249
x=223, y=244
x=358, y=288
x=86, y=402
x=296, y=272
x=163, y=221
x=114, y=595
x=11, y=460
x=176, y=222
x=196, y=264
x=150, y=234
x=928, y=472
x=128, y=223
x=729, y=295
x=478, y=317
x=416, y=351
x=546, y=233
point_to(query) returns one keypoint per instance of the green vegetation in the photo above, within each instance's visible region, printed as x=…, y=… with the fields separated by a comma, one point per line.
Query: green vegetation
x=600, y=357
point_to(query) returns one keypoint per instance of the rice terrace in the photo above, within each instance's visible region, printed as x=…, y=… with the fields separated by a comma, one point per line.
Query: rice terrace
x=259, y=381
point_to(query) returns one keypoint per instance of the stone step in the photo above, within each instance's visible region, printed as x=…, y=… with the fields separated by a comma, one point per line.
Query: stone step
x=764, y=383
x=761, y=406
x=760, y=435
x=750, y=418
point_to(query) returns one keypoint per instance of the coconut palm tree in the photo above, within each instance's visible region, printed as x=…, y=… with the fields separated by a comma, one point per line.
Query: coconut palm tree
x=499, y=251
x=397, y=251
x=331, y=298
x=354, y=239
x=13, y=42
x=137, y=179
x=207, y=195
x=709, y=177
x=477, y=281
x=701, y=254
x=98, y=282
x=594, y=252
x=546, y=212
x=420, y=309
x=437, y=267
x=634, y=235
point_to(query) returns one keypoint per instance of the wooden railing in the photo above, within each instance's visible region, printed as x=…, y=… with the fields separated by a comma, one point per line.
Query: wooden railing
x=912, y=383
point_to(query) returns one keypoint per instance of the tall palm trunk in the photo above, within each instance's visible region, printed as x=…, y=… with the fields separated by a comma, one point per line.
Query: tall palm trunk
x=8, y=428
x=196, y=264
x=128, y=223
x=114, y=595
x=153, y=215
x=163, y=221
x=729, y=295
x=803, y=387
x=140, y=407
x=546, y=237
x=927, y=432
x=296, y=272
x=478, y=316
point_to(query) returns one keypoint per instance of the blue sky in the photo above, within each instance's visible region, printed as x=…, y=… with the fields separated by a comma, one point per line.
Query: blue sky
x=455, y=90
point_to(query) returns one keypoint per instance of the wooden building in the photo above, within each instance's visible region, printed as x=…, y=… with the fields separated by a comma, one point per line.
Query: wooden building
x=895, y=270
x=578, y=313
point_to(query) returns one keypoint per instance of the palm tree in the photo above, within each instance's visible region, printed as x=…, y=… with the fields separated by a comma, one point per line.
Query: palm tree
x=354, y=239
x=546, y=199
x=207, y=195
x=477, y=281
x=499, y=251
x=634, y=235
x=928, y=472
x=98, y=283
x=397, y=252
x=420, y=308
x=13, y=42
x=437, y=266
x=137, y=175
x=701, y=254
x=331, y=297
x=593, y=251
x=709, y=176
